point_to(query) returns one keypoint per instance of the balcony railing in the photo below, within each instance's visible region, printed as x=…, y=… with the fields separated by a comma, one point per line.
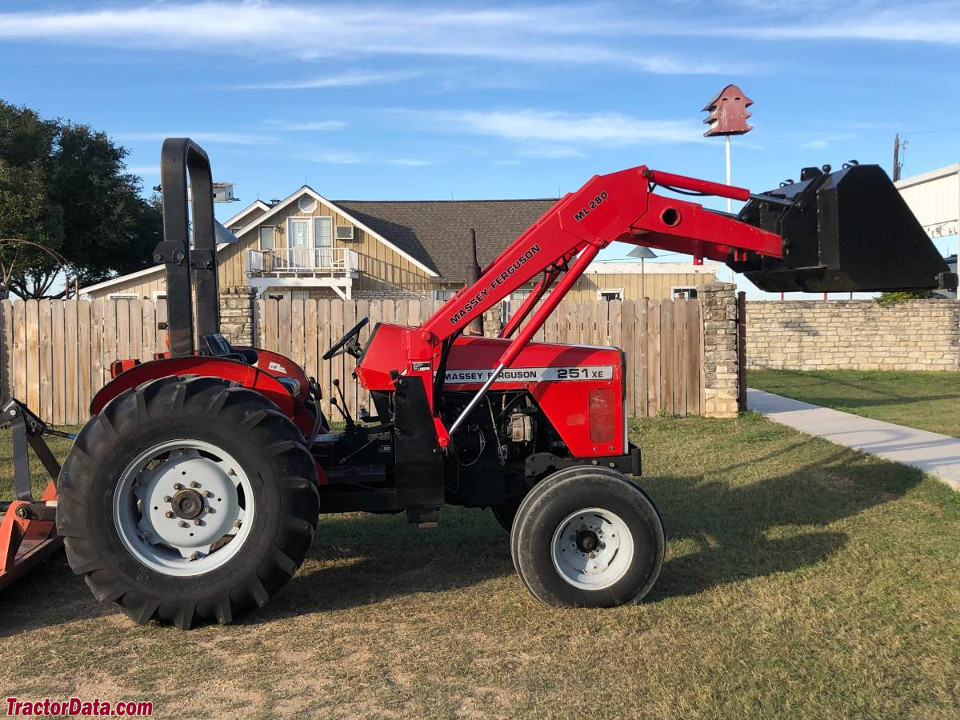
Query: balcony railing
x=303, y=261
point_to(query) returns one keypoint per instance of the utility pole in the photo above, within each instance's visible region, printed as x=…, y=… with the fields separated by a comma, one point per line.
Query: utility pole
x=897, y=162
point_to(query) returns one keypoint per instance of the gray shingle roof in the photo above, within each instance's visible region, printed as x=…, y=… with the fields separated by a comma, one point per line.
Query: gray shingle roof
x=437, y=232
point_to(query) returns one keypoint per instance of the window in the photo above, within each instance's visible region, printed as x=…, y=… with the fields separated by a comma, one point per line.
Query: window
x=123, y=296
x=159, y=295
x=299, y=232
x=611, y=294
x=310, y=242
x=323, y=241
x=443, y=295
x=298, y=244
x=287, y=294
x=267, y=237
x=307, y=204
x=684, y=293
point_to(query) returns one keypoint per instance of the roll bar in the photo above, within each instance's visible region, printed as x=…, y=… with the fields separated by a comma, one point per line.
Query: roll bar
x=188, y=269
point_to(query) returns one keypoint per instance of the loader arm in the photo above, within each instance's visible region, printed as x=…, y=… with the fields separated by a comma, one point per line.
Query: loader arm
x=835, y=221
x=620, y=207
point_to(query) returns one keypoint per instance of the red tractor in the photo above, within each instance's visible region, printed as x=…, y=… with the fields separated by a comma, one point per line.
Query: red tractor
x=193, y=492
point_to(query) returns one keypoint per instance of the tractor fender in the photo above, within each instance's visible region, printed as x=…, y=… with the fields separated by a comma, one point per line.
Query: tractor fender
x=233, y=370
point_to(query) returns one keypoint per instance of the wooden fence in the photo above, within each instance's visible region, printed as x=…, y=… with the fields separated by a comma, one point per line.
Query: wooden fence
x=662, y=339
x=55, y=354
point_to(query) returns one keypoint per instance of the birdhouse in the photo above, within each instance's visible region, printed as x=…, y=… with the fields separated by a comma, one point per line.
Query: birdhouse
x=728, y=113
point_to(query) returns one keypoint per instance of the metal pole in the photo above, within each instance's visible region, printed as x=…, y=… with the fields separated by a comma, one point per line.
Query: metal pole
x=476, y=398
x=727, y=145
x=533, y=325
x=729, y=201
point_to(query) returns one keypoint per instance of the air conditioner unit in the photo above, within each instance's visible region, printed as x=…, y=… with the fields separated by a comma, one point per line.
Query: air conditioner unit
x=345, y=232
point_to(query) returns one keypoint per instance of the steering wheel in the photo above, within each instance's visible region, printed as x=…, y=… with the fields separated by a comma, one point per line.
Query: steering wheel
x=348, y=343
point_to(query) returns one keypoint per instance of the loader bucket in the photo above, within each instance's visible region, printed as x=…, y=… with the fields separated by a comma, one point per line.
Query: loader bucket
x=843, y=231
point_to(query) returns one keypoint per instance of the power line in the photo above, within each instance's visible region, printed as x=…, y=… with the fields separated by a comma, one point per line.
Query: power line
x=931, y=132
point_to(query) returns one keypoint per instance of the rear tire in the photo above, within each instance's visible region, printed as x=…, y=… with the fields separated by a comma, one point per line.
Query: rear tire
x=587, y=537
x=221, y=542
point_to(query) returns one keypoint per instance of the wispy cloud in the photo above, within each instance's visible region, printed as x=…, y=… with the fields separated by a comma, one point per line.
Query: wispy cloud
x=353, y=158
x=825, y=140
x=338, y=158
x=559, y=34
x=347, y=79
x=408, y=162
x=306, y=126
x=918, y=21
x=555, y=152
x=542, y=129
x=213, y=138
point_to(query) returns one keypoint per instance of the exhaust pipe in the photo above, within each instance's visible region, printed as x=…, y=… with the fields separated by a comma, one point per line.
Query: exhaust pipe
x=842, y=231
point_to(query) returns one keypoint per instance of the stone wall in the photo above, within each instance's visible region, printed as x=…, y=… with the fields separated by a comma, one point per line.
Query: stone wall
x=718, y=304
x=853, y=335
x=238, y=308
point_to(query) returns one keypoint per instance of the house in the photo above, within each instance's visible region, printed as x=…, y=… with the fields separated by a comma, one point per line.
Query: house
x=307, y=246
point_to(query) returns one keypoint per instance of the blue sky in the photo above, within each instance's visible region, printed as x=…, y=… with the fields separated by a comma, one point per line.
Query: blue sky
x=432, y=100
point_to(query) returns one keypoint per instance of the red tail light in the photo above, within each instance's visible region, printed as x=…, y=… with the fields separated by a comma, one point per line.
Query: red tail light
x=120, y=366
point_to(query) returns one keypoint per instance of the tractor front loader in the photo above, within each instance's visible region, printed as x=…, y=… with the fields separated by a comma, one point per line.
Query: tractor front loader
x=193, y=492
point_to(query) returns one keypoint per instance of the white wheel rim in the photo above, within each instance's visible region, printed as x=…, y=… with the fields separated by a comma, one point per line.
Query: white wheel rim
x=183, y=507
x=592, y=548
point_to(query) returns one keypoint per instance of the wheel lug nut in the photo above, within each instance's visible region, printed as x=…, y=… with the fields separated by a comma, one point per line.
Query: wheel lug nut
x=209, y=510
x=194, y=556
x=169, y=514
x=194, y=484
x=178, y=486
x=167, y=498
x=207, y=493
x=184, y=524
x=198, y=522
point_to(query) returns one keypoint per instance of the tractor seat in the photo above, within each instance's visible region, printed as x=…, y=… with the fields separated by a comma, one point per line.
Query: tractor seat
x=250, y=355
x=216, y=345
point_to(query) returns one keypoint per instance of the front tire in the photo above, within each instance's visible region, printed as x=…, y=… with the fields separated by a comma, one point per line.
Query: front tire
x=587, y=537
x=187, y=500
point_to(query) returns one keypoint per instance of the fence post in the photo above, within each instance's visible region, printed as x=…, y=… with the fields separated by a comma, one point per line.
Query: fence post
x=719, y=317
x=741, y=351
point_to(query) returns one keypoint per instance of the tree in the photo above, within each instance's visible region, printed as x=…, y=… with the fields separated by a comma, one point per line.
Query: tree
x=64, y=187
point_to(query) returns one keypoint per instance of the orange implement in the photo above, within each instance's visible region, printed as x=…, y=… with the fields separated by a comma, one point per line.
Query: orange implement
x=28, y=528
x=28, y=534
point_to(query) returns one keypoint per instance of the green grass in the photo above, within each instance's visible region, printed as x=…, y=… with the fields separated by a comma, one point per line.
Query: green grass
x=801, y=580
x=923, y=400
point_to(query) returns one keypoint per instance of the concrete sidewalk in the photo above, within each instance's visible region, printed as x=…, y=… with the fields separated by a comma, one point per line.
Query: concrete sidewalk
x=938, y=455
